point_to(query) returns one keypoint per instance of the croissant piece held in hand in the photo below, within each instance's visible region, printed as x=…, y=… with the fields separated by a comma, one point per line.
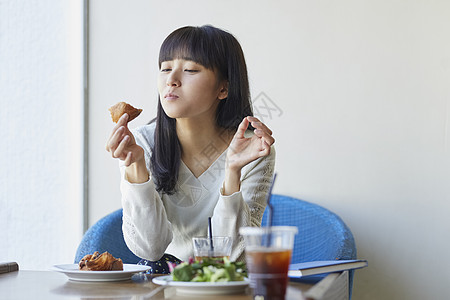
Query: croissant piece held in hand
x=120, y=108
x=100, y=262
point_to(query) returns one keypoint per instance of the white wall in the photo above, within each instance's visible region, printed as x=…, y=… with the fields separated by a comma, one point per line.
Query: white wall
x=363, y=88
x=41, y=91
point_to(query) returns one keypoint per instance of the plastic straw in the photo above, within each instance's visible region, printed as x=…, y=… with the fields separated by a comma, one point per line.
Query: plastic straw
x=211, y=245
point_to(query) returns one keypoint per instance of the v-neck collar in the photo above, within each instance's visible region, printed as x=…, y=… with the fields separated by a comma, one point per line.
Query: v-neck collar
x=209, y=177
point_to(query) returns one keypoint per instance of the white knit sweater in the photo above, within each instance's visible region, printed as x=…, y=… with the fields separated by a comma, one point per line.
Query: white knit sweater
x=155, y=223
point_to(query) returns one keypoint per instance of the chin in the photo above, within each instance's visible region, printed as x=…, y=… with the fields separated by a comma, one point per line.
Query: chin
x=174, y=114
x=172, y=111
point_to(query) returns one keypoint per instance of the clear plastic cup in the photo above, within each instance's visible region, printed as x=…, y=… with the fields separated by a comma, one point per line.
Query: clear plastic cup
x=221, y=246
x=268, y=253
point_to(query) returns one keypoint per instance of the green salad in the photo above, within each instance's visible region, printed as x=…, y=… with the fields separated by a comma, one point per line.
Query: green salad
x=210, y=270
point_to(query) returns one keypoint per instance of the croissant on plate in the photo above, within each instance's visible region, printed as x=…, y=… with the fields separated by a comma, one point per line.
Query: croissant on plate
x=117, y=110
x=100, y=262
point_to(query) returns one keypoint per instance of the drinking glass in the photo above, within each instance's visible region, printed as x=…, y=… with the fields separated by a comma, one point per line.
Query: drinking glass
x=220, y=247
x=268, y=253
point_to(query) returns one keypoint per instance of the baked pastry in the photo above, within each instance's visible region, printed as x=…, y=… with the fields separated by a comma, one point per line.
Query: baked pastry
x=100, y=262
x=120, y=108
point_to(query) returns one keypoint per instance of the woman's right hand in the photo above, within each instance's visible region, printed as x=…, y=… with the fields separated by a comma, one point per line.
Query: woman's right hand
x=122, y=145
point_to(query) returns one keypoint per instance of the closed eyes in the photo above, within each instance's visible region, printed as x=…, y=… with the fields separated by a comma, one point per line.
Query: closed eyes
x=185, y=70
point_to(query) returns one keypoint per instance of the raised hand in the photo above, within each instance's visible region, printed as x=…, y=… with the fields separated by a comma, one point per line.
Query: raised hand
x=243, y=150
x=122, y=145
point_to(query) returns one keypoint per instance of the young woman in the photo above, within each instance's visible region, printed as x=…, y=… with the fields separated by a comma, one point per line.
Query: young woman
x=204, y=155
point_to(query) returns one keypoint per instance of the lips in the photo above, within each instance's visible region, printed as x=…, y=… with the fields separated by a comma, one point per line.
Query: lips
x=170, y=96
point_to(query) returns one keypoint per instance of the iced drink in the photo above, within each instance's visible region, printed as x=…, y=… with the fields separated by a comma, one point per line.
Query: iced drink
x=268, y=255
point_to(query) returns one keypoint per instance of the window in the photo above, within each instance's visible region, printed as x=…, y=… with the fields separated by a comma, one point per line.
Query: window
x=41, y=120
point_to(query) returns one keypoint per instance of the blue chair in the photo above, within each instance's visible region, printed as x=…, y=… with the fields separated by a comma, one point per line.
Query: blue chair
x=106, y=235
x=322, y=235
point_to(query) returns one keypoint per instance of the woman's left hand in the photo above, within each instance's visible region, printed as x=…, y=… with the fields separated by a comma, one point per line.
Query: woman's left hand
x=243, y=150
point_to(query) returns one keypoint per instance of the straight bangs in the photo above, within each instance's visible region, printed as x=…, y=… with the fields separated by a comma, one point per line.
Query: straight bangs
x=202, y=45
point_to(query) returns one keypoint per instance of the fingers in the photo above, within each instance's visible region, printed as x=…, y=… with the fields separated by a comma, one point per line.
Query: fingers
x=115, y=139
x=128, y=160
x=123, y=121
x=262, y=131
x=257, y=124
x=266, y=138
x=242, y=128
x=120, y=139
x=265, y=149
x=120, y=126
x=120, y=149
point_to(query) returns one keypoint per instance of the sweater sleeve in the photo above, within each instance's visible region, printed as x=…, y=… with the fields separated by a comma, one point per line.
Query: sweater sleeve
x=245, y=207
x=146, y=229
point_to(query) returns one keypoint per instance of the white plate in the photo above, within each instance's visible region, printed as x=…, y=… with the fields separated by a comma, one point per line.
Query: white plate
x=203, y=288
x=73, y=272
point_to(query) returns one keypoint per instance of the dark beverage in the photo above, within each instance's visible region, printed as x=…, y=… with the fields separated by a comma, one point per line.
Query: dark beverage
x=268, y=253
x=268, y=272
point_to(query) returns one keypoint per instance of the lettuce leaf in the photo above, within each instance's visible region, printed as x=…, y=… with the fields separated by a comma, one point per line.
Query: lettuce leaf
x=210, y=270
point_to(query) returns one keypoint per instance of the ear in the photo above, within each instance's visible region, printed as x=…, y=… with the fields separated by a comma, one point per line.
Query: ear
x=223, y=92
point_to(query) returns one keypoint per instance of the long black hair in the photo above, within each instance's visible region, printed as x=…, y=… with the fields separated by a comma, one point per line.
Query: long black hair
x=216, y=50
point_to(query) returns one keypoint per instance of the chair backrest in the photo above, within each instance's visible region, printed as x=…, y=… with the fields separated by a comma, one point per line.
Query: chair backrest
x=106, y=235
x=322, y=235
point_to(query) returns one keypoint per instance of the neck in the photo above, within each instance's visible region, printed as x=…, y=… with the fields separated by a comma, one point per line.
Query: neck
x=201, y=143
x=195, y=136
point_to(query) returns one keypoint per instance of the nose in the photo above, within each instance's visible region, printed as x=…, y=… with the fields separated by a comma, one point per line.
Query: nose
x=173, y=79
